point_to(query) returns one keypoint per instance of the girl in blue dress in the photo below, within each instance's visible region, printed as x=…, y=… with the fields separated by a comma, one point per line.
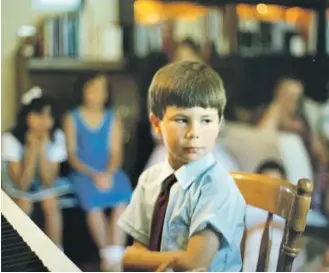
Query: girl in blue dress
x=94, y=146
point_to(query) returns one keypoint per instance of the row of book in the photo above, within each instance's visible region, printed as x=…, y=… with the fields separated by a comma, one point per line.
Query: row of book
x=90, y=33
x=93, y=33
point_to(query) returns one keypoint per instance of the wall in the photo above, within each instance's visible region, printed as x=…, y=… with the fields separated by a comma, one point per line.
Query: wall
x=14, y=13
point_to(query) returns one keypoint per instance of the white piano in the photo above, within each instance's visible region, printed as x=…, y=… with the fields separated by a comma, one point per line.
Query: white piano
x=24, y=247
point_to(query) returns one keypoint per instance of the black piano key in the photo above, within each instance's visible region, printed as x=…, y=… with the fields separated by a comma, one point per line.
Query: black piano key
x=16, y=248
x=41, y=269
x=16, y=255
x=19, y=258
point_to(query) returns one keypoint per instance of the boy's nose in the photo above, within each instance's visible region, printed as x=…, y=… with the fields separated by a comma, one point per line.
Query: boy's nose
x=193, y=130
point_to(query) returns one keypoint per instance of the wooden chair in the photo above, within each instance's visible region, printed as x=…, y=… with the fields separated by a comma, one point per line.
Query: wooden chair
x=283, y=199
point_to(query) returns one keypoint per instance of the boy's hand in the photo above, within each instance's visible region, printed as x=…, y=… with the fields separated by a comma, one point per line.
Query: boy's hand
x=194, y=270
x=201, y=269
x=169, y=265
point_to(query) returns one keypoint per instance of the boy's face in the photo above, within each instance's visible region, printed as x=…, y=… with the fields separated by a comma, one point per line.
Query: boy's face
x=188, y=133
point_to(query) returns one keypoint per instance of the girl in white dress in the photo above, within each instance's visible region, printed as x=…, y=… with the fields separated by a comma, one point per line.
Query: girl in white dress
x=31, y=155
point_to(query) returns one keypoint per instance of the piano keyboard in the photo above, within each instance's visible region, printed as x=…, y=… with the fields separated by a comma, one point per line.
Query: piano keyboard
x=16, y=255
x=24, y=247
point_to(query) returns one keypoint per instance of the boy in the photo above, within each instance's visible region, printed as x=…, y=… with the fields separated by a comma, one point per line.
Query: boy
x=203, y=222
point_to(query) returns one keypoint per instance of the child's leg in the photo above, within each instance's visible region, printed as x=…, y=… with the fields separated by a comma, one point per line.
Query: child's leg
x=97, y=224
x=96, y=221
x=112, y=255
x=53, y=220
x=117, y=236
x=24, y=205
x=111, y=244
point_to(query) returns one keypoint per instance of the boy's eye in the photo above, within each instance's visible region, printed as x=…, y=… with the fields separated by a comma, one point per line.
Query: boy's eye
x=206, y=121
x=181, y=120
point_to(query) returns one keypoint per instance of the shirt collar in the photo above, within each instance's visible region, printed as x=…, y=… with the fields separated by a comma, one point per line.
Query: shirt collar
x=189, y=172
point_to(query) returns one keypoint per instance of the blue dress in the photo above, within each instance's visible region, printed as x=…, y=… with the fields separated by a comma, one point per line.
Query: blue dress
x=93, y=151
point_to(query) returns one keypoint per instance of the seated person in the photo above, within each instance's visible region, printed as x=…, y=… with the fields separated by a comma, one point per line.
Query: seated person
x=31, y=155
x=187, y=210
x=325, y=121
x=286, y=113
x=94, y=145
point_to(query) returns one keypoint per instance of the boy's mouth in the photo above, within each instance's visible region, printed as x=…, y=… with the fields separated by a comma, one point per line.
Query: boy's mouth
x=191, y=149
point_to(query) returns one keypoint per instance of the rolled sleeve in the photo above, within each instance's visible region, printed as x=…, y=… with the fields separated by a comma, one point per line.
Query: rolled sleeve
x=222, y=212
x=134, y=219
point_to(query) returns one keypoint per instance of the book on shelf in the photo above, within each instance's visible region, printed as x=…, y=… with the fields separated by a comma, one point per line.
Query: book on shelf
x=87, y=34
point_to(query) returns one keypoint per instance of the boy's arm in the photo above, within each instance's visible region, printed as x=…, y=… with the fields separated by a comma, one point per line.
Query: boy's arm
x=139, y=245
x=201, y=250
x=135, y=219
x=206, y=231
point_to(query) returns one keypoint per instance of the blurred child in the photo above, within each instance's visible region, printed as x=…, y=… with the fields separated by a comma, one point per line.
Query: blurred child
x=94, y=144
x=186, y=209
x=325, y=121
x=31, y=155
x=255, y=222
x=187, y=50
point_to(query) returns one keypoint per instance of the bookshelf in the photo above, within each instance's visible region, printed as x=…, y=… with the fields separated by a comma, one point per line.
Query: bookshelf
x=73, y=64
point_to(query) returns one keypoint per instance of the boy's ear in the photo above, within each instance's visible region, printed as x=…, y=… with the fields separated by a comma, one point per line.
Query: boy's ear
x=221, y=124
x=155, y=122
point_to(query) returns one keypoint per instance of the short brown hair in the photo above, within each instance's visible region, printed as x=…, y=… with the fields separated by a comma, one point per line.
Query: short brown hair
x=186, y=84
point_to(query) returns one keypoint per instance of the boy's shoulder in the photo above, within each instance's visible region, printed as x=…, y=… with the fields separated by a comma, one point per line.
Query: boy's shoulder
x=219, y=181
x=152, y=174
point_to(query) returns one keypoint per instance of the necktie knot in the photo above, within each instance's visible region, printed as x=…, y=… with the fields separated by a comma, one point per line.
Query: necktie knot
x=167, y=184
